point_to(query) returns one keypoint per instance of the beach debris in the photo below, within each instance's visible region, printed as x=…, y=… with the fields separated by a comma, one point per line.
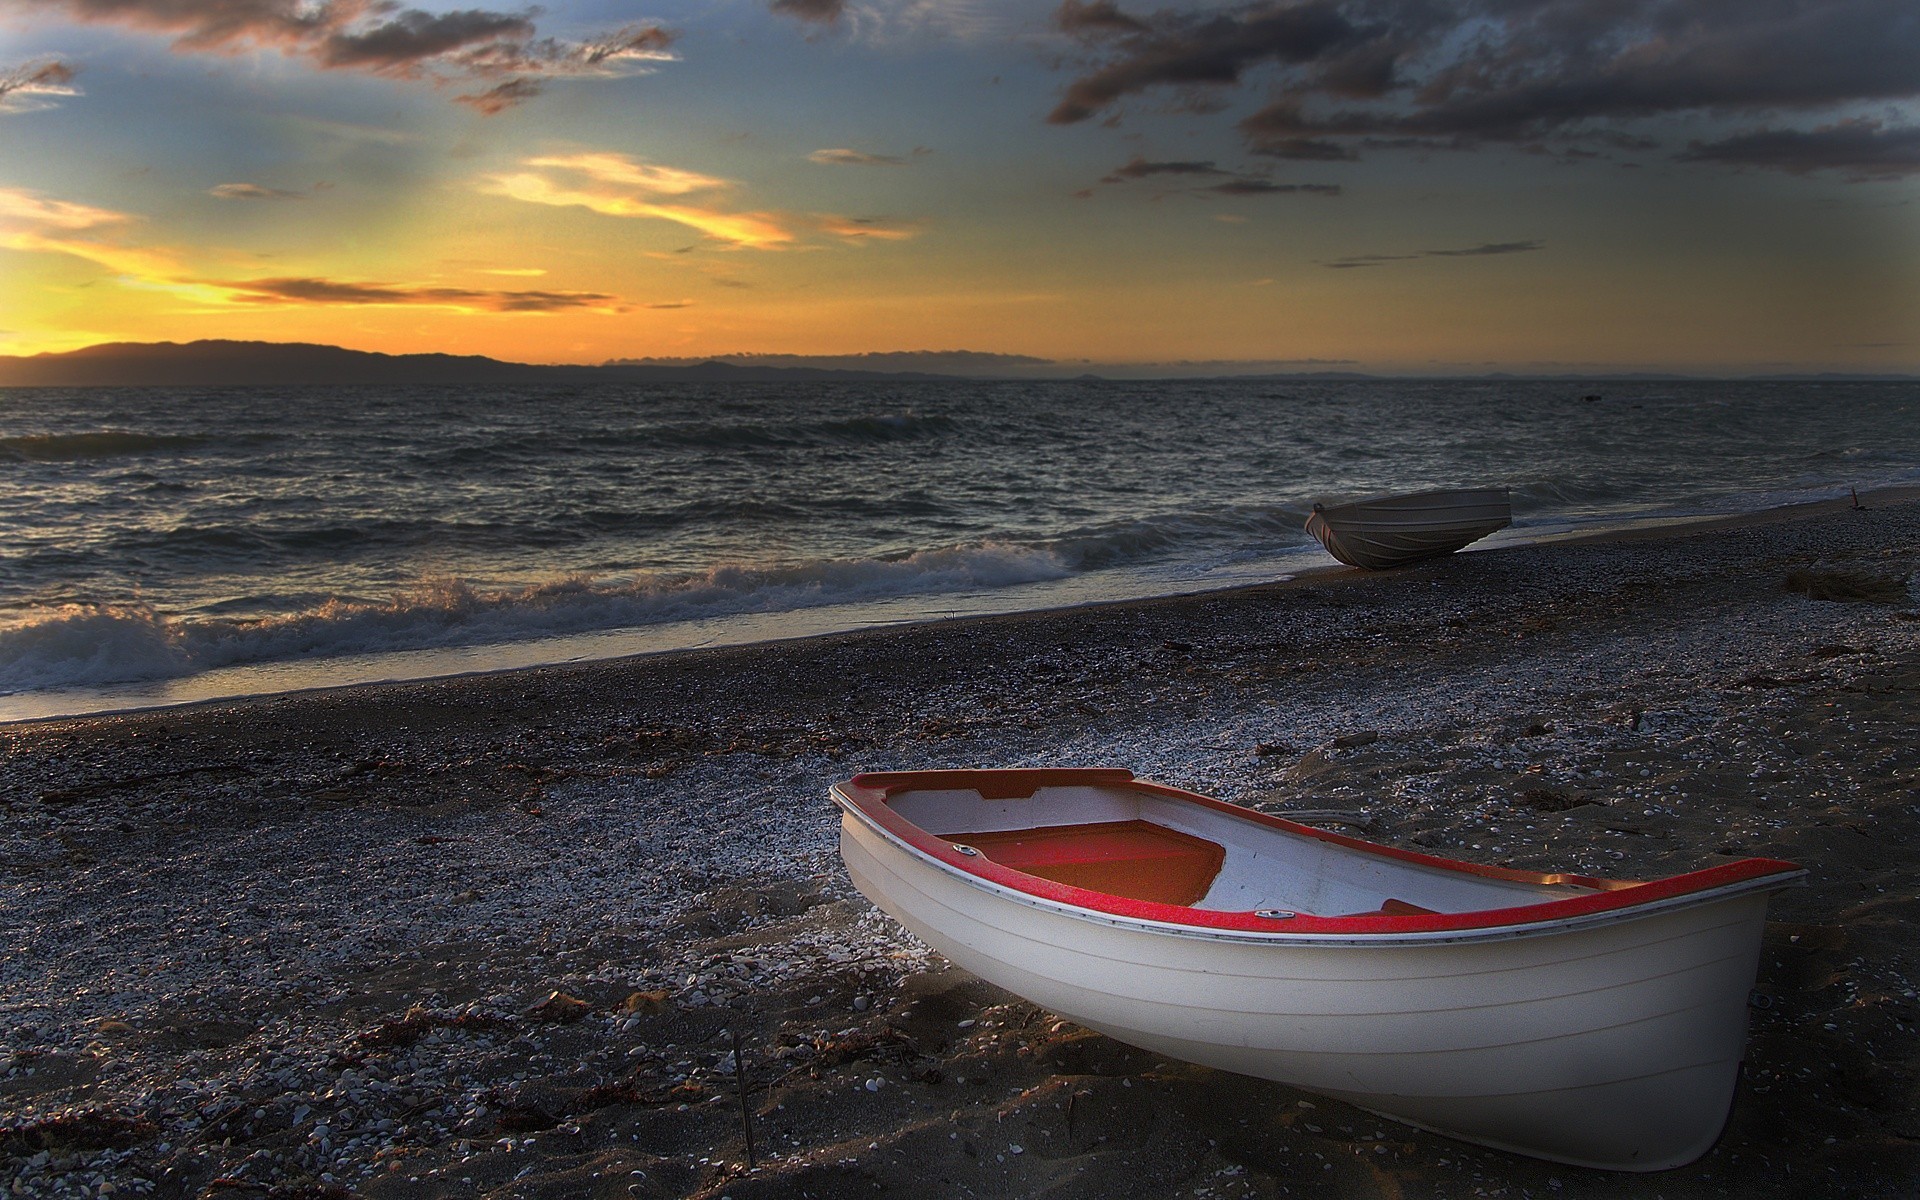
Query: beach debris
x=1269, y=749
x=740, y=1078
x=645, y=1002
x=560, y=1008
x=82, y=1129
x=1829, y=581
x=419, y=1021
x=1353, y=741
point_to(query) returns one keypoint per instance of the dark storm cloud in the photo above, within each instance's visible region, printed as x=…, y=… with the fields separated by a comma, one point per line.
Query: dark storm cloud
x=413, y=37
x=378, y=37
x=1187, y=50
x=331, y=291
x=1858, y=149
x=1342, y=77
x=820, y=12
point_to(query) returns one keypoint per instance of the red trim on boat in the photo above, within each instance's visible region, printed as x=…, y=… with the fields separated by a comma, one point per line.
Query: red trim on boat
x=870, y=792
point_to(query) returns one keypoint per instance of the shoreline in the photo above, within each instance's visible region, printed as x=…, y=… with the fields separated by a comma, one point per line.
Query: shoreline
x=1633, y=530
x=312, y=940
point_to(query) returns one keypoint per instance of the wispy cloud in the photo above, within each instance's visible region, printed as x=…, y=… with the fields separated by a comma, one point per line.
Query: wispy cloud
x=1231, y=183
x=856, y=229
x=1347, y=77
x=31, y=86
x=252, y=191
x=32, y=223
x=500, y=50
x=1484, y=250
x=1267, y=187
x=1488, y=248
x=1139, y=167
x=616, y=185
x=859, y=158
x=334, y=291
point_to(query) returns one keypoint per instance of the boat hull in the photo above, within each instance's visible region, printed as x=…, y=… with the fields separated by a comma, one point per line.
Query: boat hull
x=1612, y=1044
x=1396, y=530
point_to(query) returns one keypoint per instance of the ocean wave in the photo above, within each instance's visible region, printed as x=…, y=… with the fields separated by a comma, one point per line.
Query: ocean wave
x=104, y=443
x=76, y=645
x=864, y=430
x=1118, y=543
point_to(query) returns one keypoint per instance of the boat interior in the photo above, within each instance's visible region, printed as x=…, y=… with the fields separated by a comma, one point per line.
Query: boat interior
x=1137, y=844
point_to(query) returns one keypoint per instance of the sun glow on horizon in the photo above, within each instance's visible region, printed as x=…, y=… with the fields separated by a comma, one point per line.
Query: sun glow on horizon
x=501, y=182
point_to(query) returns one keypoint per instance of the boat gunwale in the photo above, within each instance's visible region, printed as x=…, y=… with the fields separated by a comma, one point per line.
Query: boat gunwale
x=866, y=797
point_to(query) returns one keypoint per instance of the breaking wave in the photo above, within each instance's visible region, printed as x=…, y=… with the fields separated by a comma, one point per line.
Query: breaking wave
x=76, y=645
x=105, y=443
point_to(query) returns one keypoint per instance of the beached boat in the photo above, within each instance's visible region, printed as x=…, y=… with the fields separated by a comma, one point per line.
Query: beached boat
x=1588, y=1021
x=1390, y=531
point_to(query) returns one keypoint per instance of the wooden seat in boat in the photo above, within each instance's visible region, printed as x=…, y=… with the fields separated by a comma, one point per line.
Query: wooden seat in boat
x=1135, y=859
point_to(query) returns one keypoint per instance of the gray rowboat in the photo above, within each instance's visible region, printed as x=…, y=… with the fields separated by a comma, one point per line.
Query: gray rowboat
x=1391, y=531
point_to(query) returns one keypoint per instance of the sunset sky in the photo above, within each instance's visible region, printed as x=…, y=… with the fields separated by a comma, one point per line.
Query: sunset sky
x=1394, y=185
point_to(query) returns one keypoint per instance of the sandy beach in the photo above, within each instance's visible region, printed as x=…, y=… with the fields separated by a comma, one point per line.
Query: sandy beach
x=495, y=935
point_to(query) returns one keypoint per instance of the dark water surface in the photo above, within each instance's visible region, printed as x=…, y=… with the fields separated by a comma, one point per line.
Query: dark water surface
x=162, y=534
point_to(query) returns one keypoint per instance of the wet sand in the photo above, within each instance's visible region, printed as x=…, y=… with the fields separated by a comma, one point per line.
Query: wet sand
x=490, y=936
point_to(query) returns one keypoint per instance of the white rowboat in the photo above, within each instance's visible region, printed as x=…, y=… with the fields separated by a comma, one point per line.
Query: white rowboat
x=1588, y=1021
x=1391, y=531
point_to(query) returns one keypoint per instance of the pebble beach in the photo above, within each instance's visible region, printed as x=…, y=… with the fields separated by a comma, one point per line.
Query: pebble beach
x=582, y=930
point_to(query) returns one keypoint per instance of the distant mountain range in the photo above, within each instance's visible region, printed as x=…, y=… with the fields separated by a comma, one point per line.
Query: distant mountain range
x=281, y=364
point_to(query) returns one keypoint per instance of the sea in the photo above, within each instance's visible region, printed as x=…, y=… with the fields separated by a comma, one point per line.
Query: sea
x=168, y=545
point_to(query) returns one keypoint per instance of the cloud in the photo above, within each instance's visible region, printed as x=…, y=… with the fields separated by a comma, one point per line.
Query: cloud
x=26, y=88
x=614, y=185
x=1210, y=49
x=252, y=191
x=1487, y=249
x=380, y=37
x=1365, y=260
x=332, y=291
x=1097, y=16
x=1345, y=77
x=502, y=96
x=1484, y=250
x=1859, y=149
x=856, y=229
x=32, y=223
x=1140, y=168
x=1232, y=184
x=860, y=158
x=651, y=178
x=817, y=12
x=1267, y=187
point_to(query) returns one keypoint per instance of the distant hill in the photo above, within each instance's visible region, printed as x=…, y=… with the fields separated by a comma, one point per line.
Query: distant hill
x=271, y=364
